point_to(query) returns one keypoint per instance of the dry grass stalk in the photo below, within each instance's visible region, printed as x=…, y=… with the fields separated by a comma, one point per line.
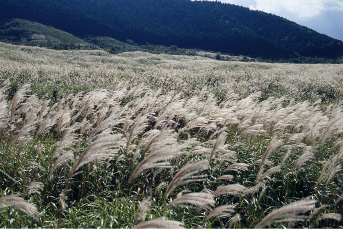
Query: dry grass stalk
x=222, y=211
x=142, y=208
x=185, y=175
x=160, y=223
x=8, y=176
x=291, y=212
x=202, y=200
x=18, y=203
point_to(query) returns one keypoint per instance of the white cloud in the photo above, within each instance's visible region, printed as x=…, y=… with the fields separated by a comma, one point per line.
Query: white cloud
x=302, y=9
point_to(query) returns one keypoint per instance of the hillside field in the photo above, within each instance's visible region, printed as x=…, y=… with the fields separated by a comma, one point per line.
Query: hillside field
x=93, y=139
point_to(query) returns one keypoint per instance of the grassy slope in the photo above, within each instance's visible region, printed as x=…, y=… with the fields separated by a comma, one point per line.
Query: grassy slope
x=32, y=33
x=220, y=113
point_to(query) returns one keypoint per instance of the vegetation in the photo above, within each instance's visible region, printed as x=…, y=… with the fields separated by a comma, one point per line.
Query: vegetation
x=187, y=24
x=19, y=31
x=90, y=139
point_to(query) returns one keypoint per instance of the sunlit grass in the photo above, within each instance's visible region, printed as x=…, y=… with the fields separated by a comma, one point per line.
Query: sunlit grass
x=100, y=140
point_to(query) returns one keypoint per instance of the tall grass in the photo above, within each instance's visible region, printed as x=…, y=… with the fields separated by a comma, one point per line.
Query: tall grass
x=135, y=155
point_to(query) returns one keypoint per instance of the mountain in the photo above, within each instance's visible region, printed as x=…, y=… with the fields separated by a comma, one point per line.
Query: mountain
x=20, y=31
x=203, y=25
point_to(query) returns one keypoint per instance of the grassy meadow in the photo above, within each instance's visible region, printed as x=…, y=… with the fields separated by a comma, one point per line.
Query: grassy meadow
x=92, y=139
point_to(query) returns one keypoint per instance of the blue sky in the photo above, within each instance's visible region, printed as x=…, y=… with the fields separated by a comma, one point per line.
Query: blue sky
x=324, y=16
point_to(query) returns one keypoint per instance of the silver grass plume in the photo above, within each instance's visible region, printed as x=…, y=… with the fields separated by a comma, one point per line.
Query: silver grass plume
x=18, y=97
x=268, y=173
x=4, y=119
x=340, y=198
x=305, y=157
x=45, y=125
x=234, y=220
x=134, y=130
x=160, y=186
x=198, y=122
x=64, y=120
x=160, y=223
x=222, y=211
x=24, y=135
x=159, y=158
x=254, y=189
x=101, y=149
x=68, y=140
x=238, y=167
x=218, y=144
x=4, y=114
x=202, y=200
x=4, y=87
x=18, y=203
x=274, y=144
x=218, y=132
x=255, y=129
x=62, y=201
x=289, y=213
x=142, y=208
x=226, y=177
x=185, y=175
x=34, y=188
x=333, y=216
x=231, y=189
x=331, y=125
x=105, y=125
x=317, y=210
x=153, y=140
x=43, y=110
x=331, y=167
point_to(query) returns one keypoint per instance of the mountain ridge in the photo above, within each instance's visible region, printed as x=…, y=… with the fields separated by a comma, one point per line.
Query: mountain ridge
x=214, y=26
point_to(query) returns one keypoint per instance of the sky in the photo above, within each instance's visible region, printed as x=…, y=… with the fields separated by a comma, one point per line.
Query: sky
x=323, y=16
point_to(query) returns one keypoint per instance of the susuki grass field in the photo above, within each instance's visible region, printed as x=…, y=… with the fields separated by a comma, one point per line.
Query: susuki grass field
x=89, y=139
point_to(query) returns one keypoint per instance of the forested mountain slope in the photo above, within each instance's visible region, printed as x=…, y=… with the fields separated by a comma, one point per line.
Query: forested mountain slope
x=204, y=25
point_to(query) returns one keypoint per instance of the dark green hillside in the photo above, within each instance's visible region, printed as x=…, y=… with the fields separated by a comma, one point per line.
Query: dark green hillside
x=204, y=25
x=32, y=33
